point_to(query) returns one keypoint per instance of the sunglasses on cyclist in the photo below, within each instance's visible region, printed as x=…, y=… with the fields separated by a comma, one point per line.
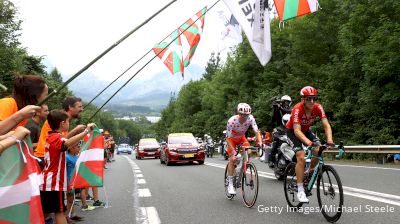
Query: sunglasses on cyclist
x=311, y=98
x=243, y=115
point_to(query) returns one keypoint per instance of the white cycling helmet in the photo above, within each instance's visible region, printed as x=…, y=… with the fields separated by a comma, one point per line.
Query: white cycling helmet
x=243, y=108
x=286, y=98
x=285, y=119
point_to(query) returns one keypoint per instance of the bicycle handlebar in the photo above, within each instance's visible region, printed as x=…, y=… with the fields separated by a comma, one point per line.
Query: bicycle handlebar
x=326, y=146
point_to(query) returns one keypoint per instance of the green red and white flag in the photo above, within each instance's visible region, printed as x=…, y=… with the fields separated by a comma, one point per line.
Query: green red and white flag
x=89, y=168
x=192, y=30
x=288, y=9
x=173, y=55
x=20, y=178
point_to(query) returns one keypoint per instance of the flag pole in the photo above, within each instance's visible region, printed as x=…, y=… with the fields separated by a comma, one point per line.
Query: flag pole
x=102, y=54
x=129, y=69
x=4, y=88
x=147, y=64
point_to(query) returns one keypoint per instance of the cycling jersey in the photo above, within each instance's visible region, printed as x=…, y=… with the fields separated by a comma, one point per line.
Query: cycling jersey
x=234, y=129
x=299, y=116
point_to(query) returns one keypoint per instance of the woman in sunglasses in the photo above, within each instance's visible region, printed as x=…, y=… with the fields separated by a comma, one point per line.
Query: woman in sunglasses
x=235, y=129
x=303, y=116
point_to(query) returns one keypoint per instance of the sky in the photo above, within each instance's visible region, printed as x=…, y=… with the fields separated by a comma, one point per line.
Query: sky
x=71, y=33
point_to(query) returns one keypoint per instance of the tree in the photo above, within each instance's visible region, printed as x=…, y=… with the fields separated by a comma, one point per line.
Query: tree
x=10, y=26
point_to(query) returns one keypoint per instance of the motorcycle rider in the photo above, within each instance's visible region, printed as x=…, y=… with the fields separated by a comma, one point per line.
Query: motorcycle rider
x=221, y=142
x=281, y=108
x=302, y=117
x=236, y=128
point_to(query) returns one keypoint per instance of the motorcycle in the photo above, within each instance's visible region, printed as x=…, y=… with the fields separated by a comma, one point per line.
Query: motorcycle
x=209, y=147
x=224, y=148
x=284, y=155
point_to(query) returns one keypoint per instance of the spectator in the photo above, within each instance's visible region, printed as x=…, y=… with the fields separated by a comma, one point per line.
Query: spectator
x=96, y=202
x=34, y=122
x=72, y=157
x=53, y=189
x=28, y=91
x=73, y=106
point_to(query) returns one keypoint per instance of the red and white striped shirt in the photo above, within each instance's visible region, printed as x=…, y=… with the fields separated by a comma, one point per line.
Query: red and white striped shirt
x=55, y=171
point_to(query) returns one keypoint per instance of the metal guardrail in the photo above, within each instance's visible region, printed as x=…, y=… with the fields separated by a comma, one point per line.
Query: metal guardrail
x=373, y=149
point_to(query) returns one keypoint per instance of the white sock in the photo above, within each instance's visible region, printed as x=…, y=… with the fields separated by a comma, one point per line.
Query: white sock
x=300, y=187
x=230, y=180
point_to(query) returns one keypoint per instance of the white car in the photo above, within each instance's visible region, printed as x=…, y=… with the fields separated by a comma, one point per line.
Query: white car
x=124, y=148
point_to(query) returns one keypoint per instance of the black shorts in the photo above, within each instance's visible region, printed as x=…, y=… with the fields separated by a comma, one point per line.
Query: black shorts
x=295, y=143
x=52, y=201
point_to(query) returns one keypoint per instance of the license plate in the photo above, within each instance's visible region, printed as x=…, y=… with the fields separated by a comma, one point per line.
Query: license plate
x=188, y=155
x=150, y=153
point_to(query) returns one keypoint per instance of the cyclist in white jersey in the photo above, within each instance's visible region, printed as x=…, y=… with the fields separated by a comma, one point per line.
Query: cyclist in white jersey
x=236, y=128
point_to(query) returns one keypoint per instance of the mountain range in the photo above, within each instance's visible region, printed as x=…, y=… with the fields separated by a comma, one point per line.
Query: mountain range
x=154, y=93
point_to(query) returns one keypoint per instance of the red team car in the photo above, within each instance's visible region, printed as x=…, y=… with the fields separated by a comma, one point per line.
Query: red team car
x=148, y=147
x=181, y=147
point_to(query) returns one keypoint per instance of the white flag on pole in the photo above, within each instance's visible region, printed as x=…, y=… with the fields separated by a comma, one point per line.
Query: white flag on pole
x=253, y=17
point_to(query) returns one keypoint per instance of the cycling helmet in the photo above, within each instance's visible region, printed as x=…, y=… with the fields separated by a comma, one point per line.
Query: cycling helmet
x=286, y=98
x=285, y=119
x=243, y=108
x=308, y=91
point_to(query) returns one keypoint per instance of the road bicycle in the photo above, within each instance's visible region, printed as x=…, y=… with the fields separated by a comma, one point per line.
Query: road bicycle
x=245, y=177
x=329, y=186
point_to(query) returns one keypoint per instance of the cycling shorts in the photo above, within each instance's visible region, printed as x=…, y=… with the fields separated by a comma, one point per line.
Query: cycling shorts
x=235, y=142
x=296, y=144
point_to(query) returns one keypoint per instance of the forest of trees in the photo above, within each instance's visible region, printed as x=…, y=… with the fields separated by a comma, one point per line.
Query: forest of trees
x=348, y=50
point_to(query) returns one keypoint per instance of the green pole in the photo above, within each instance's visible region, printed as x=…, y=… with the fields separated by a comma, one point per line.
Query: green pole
x=102, y=54
x=4, y=88
x=147, y=64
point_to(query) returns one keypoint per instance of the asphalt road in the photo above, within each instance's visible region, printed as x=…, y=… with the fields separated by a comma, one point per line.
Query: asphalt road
x=145, y=191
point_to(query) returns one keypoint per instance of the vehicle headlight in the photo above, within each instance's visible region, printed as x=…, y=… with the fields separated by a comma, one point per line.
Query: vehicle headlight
x=172, y=150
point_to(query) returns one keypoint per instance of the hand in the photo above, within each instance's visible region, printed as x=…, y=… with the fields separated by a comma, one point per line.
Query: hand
x=21, y=132
x=330, y=144
x=91, y=126
x=28, y=111
x=259, y=144
x=314, y=144
x=80, y=127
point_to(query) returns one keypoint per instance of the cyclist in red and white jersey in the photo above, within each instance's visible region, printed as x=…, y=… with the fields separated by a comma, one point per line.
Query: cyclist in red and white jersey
x=303, y=116
x=235, y=134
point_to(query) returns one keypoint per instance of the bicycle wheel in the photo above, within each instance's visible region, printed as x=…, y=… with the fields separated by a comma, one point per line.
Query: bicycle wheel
x=226, y=183
x=330, y=194
x=250, y=185
x=290, y=186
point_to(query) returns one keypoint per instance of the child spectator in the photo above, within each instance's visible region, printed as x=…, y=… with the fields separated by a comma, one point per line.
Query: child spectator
x=72, y=157
x=54, y=173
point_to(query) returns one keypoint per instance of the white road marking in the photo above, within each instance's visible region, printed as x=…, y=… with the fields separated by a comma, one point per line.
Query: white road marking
x=367, y=167
x=141, y=181
x=138, y=171
x=355, y=192
x=145, y=192
x=148, y=215
x=144, y=215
